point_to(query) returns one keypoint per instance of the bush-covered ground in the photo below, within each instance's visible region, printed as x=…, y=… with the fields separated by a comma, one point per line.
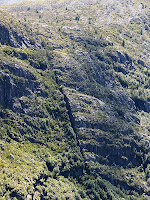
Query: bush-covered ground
x=75, y=100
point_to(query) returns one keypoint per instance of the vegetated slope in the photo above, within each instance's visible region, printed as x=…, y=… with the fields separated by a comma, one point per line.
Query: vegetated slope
x=74, y=95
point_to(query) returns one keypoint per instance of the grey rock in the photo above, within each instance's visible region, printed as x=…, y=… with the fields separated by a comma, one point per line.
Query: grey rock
x=141, y=62
x=124, y=58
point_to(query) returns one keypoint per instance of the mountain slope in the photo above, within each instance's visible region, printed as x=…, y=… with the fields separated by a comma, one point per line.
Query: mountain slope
x=74, y=96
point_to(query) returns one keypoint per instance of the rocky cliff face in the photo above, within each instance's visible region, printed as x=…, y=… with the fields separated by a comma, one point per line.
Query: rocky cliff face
x=10, y=37
x=99, y=128
x=18, y=83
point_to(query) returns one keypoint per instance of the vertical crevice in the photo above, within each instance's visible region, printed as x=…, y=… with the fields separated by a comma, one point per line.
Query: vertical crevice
x=72, y=121
x=71, y=117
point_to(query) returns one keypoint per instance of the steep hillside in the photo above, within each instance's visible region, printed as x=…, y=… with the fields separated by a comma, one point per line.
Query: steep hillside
x=75, y=100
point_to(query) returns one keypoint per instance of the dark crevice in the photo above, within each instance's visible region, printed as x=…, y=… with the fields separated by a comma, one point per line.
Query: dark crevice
x=14, y=193
x=17, y=195
x=49, y=166
x=72, y=121
x=142, y=105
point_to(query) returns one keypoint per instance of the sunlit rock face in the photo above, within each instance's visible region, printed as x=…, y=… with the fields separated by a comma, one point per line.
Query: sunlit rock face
x=98, y=128
x=11, y=88
x=3, y=2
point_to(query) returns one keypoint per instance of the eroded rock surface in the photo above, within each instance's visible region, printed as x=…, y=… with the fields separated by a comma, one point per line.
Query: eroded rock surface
x=100, y=131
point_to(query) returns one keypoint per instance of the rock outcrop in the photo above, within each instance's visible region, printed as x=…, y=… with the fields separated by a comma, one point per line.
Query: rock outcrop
x=20, y=82
x=98, y=129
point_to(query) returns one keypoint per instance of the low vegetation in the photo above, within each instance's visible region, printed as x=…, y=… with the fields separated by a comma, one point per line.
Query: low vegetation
x=74, y=100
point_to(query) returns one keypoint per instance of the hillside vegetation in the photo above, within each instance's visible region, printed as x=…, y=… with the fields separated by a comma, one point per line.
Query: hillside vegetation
x=75, y=100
